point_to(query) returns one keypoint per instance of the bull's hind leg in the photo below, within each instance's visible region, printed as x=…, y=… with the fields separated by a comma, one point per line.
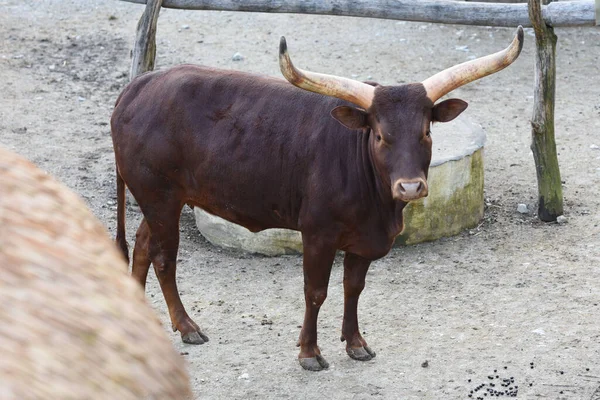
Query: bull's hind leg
x=163, y=222
x=318, y=259
x=355, y=270
x=141, y=258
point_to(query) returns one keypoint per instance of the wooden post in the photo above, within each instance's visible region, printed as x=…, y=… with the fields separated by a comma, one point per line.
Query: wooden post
x=543, y=144
x=144, y=48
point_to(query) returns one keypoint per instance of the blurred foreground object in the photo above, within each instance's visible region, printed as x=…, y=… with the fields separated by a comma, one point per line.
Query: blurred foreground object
x=73, y=324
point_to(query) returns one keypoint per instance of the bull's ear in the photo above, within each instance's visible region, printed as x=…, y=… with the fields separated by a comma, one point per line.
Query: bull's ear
x=449, y=109
x=350, y=117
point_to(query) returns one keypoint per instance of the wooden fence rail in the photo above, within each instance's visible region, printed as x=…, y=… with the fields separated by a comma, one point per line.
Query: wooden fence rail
x=564, y=13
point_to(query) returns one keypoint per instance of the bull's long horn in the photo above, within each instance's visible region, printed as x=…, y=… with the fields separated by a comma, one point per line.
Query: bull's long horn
x=446, y=81
x=353, y=91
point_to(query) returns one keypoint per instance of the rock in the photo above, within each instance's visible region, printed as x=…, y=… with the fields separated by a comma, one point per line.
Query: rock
x=80, y=326
x=185, y=27
x=594, y=147
x=522, y=208
x=561, y=219
x=244, y=376
x=237, y=57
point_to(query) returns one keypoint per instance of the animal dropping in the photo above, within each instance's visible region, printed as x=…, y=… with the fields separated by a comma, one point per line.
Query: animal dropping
x=337, y=161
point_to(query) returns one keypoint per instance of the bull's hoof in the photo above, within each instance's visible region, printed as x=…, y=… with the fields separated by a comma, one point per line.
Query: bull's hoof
x=194, y=337
x=317, y=363
x=360, y=353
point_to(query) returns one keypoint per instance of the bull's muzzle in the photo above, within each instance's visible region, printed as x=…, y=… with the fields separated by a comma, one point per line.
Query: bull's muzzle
x=408, y=190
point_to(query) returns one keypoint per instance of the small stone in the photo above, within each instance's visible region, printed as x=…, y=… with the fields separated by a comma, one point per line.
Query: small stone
x=522, y=208
x=594, y=147
x=244, y=376
x=561, y=219
x=185, y=27
x=237, y=57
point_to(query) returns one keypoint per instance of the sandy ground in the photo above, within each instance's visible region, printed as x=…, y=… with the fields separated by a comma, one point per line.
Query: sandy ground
x=515, y=298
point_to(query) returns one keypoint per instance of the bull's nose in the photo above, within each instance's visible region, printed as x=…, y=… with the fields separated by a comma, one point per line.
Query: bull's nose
x=410, y=190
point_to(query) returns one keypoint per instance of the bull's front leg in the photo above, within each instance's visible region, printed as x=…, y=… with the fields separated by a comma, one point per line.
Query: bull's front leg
x=355, y=270
x=318, y=259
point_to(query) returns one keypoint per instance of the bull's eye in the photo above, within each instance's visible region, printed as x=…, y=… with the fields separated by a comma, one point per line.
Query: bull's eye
x=378, y=137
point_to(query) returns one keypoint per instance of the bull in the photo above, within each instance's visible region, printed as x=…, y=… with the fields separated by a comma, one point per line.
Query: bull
x=337, y=161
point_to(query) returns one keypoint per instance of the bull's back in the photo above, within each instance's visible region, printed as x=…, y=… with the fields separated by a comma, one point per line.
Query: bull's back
x=241, y=146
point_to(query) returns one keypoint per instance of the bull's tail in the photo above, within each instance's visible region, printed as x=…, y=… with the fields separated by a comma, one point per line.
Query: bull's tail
x=121, y=236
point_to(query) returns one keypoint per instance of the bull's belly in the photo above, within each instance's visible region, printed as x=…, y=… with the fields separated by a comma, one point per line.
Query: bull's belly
x=253, y=215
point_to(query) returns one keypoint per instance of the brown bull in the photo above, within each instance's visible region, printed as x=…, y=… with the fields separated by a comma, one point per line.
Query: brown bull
x=339, y=165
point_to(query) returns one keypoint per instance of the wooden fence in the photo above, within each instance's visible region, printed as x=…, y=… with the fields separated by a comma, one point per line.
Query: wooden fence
x=543, y=19
x=564, y=13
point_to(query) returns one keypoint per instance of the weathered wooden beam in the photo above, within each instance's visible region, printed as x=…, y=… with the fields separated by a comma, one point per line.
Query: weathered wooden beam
x=564, y=13
x=499, y=1
x=144, y=48
x=543, y=144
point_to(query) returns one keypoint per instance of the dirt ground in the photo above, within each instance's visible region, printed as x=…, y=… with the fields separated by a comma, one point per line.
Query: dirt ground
x=513, y=299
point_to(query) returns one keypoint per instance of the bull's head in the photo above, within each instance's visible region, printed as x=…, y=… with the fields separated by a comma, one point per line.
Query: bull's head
x=399, y=117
